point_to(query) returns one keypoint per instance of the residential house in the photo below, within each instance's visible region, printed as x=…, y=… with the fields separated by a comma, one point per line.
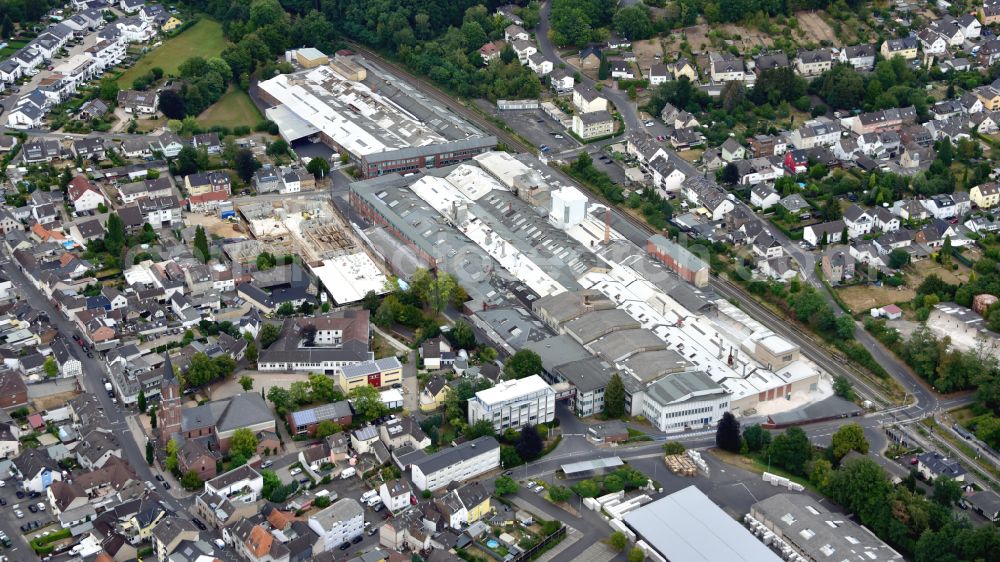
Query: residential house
x=138, y=102
x=84, y=195
x=594, y=124
x=587, y=100
x=933, y=42
x=861, y=57
x=591, y=57
x=524, y=48
x=682, y=67
x=770, y=61
x=539, y=64
x=764, y=196
x=985, y=195
x=621, y=70
x=905, y=48
x=827, y=232
x=932, y=465
x=87, y=148
x=490, y=51
x=726, y=67
x=433, y=394
x=859, y=221
x=732, y=150
x=813, y=63
x=515, y=33
x=658, y=74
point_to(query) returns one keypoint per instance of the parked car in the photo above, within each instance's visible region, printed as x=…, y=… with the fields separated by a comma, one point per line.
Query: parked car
x=357, y=539
x=345, y=546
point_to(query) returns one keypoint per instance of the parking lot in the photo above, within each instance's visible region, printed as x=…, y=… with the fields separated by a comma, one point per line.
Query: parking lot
x=32, y=521
x=539, y=129
x=604, y=162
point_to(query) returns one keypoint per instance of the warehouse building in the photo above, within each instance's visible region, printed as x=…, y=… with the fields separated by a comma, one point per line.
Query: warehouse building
x=456, y=464
x=814, y=532
x=686, y=526
x=377, y=120
x=513, y=404
x=690, y=267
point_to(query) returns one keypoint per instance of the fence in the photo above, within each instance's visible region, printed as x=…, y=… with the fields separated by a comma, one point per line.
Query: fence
x=541, y=546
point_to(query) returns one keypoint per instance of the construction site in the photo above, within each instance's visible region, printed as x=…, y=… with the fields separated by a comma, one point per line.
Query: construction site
x=314, y=230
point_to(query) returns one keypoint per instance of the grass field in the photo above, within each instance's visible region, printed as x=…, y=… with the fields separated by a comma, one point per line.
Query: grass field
x=11, y=48
x=233, y=109
x=203, y=39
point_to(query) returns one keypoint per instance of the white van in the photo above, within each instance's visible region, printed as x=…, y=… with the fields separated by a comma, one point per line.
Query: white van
x=348, y=472
x=369, y=495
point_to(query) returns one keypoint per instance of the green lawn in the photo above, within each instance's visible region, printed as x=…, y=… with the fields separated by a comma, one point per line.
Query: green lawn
x=203, y=39
x=233, y=109
x=11, y=48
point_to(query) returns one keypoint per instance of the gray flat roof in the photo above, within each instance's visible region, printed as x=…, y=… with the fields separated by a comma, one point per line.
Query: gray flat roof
x=651, y=365
x=687, y=526
x=453, y=455
x=575, y=468
x=820, y=534
x=593, y=325
x=587, y=374
x=682, y=386
x=621, y=344
x=558, y=350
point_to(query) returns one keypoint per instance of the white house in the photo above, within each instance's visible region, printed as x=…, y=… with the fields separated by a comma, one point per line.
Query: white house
x=338, y=523
x=859, y=221
x=243, y=481
x=658, y=74
x=395, y=495
x=37, y=470
x=539, y=64
x=514, y=404
x=456, y=464
x=932, y=42
x=666, y=176
x=587, y=100
x=524, y=49
x=764, y=196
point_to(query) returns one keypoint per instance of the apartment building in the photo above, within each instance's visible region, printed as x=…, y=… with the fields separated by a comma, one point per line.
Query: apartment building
x=514, y=403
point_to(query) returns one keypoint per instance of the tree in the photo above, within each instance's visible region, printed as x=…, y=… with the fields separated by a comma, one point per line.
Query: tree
x=278, y=148
x=509, y=457
x=504, y=485
x=141, y=400
x=243, y=442
x=201, y=244
x=730, y=174
x=634, y=22
x=108, y=89
x=246, y=382
x=559, y=494
x=318, y=167
x=327, y=428
x=251, y=352
x=269, y=334
x=636, y=554
x=791, y=450
x=322, y=389
x=246, y=164
x=463, y=336
x=286, y=309
x=844, y=237
x=842, y=387
x=618, y=541
x=757, y=438
x=191, y=480
x=847, y=438
x=149, y=452
x=946, y=492
x=588, y=489
x=172, y=104
x=271, y=482
x=186, y=162
x=603, y=69
x=727, y=434
x=479, y=429
x=898, y=258
x=281, y=399
x=152, y=417
x=673, y=448
x=368, y=402
x=530, y=445
x=614, y=397
x=50, y=367
x=300, y=393
x=114, y=237
x=436, y=292
x=171, y=462
x=523, y=363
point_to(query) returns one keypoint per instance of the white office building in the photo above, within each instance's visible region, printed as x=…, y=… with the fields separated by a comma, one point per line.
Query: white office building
x=690, y=400
x=456, y=464
x=339, y=523
x=514, y=403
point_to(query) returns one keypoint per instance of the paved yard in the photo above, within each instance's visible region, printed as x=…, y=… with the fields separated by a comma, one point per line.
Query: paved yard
x=539, y=129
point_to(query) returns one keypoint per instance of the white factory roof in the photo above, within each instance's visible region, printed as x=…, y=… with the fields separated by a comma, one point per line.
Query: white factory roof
x=503, y=165
x=360, y=120
x=512, y=389
x=687, y=526
x=291, y=125
x=350, y=277
x=473, y=182
x=696, y=338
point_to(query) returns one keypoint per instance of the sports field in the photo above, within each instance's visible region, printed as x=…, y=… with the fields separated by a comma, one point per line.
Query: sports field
x=203, y=39
x=233, y=109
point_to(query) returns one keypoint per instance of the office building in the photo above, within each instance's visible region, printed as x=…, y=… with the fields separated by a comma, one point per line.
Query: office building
x=514, y=404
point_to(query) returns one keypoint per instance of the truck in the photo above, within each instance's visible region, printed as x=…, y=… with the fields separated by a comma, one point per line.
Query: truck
x=348, y=472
